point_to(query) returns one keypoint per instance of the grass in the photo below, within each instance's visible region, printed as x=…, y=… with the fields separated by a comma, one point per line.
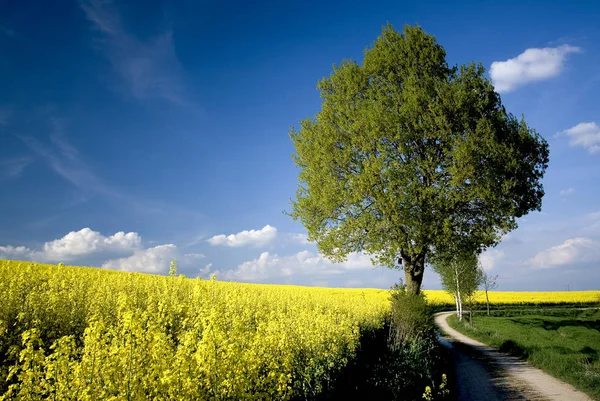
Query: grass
x=567, y=346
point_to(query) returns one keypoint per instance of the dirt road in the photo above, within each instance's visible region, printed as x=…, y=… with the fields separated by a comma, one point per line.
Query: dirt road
x=483, y=373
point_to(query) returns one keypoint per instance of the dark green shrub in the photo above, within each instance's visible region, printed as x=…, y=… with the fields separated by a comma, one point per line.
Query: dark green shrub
x=402, y=361
x=411, y=318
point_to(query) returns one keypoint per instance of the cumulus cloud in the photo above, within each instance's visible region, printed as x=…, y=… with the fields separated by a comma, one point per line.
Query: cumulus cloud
x=573, y=250
x=532, y=65
x=205, y=270
x=15, y=252
x=74, y=245
x=120, y=251
x=490, y=258
x=305, y=263
x=87, y=242
x=298, y=238
x=151, y=260
x=246, y=237
x=586, y=135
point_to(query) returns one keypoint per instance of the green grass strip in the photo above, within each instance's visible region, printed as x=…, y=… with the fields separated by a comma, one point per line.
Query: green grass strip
x=567, y=347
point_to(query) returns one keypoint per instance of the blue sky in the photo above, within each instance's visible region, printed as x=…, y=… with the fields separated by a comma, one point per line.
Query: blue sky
x=132, y=134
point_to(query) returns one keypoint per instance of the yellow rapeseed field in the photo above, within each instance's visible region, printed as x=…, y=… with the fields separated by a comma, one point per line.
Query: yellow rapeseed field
x=90, y=334
x=440, y=297
x=87, y=334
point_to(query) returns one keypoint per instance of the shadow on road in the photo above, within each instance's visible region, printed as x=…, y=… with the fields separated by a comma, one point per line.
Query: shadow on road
x=478, y=378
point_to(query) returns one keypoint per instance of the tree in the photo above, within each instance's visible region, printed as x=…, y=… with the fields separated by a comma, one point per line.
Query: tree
x=409, y=156
x=460, y=274
x=489, y=283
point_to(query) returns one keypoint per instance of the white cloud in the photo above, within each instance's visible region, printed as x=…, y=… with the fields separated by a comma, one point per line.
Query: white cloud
x=508, y=237
x=490, y=258
x=305, y=263
x=86, y=242
x=151, y=260
x=586, y=135
x=532, y=65
x=76, y=244
x=567, y=192
x=246, y=237
x=573, y=250
x=298, y=238
x=15, y=252
x=190, y=258
x=205, y=270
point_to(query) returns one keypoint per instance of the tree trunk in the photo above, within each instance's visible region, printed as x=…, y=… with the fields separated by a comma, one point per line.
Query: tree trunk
x=471, y=310
x=487, y=301
x=413, y=274
x=458, y=296
x=456, y=300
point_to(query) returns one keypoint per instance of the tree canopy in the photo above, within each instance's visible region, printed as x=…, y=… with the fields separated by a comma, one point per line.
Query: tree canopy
x=409, y=156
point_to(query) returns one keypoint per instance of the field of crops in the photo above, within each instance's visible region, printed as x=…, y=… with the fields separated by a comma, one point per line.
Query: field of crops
x=86, y=334
x=89, y=334
x=440, y=297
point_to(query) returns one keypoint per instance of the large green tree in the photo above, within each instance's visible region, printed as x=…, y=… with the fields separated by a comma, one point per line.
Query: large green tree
x=409, y=156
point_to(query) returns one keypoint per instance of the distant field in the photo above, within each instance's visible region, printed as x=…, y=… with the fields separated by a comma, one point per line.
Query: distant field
x=438, y=297
x=567, y=347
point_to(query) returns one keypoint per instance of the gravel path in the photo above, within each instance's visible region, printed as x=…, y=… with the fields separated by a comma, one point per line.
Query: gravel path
x=483, y=373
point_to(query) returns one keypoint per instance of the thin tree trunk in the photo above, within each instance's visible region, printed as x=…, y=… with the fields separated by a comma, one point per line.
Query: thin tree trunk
x=458, y=297
x=487, y=301
x=471, y=310
x=456, y=300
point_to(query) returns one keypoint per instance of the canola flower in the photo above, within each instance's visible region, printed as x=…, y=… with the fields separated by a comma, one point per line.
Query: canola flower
x=78, y=333
x=74, y=333
x=440, y=297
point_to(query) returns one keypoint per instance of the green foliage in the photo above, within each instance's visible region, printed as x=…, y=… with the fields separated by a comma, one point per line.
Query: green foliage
x=461, y=276
x=409, y=155
x=567, y=346
x=417, y=357
x=442, y=391
x=460, y=273
x=411, y=318
x=379, y=372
